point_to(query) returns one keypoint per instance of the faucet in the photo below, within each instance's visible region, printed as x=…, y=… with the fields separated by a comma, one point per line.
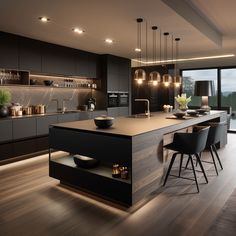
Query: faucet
x=56, y=100
x=63, y=104
x=147, y=113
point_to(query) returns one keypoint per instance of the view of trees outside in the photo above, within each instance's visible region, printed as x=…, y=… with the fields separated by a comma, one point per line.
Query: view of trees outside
x=228, y=88
x=189, y=78
x=228, y=92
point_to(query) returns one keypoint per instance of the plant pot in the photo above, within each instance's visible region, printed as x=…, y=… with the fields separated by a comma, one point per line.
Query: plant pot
x=3, y=111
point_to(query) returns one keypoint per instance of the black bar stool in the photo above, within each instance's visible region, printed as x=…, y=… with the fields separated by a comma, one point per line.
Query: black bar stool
x=190, y=144
x=214, y=135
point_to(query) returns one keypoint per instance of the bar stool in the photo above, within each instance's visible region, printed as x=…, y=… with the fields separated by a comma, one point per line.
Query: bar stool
x=214, y=135
x=189, y=144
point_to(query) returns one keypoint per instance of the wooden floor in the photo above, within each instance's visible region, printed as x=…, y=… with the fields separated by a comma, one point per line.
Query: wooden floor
x=32, y=203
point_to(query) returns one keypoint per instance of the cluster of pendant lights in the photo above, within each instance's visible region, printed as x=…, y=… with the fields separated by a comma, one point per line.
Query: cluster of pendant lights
x=155, y=77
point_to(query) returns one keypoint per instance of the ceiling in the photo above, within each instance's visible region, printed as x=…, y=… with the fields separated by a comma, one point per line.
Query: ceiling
x=204, y=26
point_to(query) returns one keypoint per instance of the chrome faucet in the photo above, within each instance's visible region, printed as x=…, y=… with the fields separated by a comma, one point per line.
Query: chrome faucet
x=56, y=100
x=147, y=113
x=63, y=104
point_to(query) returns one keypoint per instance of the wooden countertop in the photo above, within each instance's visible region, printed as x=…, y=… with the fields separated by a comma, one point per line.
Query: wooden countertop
x=129, y=126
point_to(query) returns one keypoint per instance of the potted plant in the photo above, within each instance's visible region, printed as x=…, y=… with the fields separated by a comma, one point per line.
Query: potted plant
x=5, y=97
x=183, y=101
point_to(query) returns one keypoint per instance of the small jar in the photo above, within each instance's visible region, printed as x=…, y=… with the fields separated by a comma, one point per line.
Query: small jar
x=116, y=171
x=124, y=173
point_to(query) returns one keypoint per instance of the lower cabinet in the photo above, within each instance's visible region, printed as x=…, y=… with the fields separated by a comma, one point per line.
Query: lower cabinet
x=68, y=117
x=24, y=128
x=43, y=124
x=6, y=130
x=118, y=111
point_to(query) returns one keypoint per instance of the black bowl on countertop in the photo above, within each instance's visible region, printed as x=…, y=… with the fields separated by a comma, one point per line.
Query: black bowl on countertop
x=85, y=162
x=103, y=121
x=179, y=114
x=48, y=82
x=192, y=113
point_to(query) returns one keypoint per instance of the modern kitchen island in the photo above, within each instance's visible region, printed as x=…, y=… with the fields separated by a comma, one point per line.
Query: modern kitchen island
x=136, y=143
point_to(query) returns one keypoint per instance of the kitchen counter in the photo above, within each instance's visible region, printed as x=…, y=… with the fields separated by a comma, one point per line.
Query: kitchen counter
x=131, y=126
x=47, y=114
x=135, y=143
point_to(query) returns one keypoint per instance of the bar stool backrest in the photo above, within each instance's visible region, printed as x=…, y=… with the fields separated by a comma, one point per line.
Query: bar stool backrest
x=191, y=143
x=215, y=132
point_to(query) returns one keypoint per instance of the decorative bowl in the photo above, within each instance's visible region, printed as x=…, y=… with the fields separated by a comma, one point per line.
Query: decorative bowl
x=179, y=114
x=193, y=113
x=85, y=162
x=48, y=82
x=103, y=121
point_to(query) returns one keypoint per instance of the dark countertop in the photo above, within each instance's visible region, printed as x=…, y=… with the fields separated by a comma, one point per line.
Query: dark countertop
x=129, y=126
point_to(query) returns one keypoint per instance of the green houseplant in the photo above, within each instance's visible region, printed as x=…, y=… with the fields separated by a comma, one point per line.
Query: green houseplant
x=183, y=101
x=5, y=97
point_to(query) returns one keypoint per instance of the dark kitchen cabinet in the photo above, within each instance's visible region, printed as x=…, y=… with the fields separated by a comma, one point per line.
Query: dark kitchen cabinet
x=116, y=71
x=113, y=82
x=85, y=115
x=86, y=64
x=43, y=124
x=5, y=130
x=58, y=60
x=8, y=51
x=68, y=117
x=123, y=111
x=113, y=111
x=24, y=128
x=30, y=55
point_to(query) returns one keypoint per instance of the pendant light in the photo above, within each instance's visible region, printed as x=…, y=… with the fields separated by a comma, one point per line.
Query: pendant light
x=154, y=77
x=177, y=77
x=139, y=74
x=166, y=77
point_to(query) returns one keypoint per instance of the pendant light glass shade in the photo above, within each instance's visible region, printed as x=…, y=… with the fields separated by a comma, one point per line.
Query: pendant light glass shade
x=154, y=78
x=177, y=77
x=166, y=78
x=140, y=76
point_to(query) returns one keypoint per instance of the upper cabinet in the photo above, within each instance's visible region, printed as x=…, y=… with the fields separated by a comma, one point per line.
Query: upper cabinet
x=30, y=55
x=86, y=64
x=21, y=53
x=8, y=51
x=58, y=60
x=117, y=73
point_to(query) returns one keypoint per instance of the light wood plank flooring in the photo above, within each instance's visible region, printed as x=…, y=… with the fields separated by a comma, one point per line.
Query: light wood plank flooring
x=32, y=203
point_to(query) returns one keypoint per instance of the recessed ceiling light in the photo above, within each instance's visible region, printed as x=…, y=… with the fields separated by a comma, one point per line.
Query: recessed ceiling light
x=78, y=31
x=44, y=19
x=108, y=40
x=137, y=49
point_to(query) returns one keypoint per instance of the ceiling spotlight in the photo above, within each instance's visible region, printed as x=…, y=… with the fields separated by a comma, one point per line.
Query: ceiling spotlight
x=108, y=40
x=44, y=19
x=78, y=31
x=137, y=49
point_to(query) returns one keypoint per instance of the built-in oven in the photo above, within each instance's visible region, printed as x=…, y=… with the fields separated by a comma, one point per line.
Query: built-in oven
x=123, y=99
x=112, y=99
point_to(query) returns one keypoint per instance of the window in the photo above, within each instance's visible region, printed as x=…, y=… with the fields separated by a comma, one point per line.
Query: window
x=228, y=92
x=189, y=78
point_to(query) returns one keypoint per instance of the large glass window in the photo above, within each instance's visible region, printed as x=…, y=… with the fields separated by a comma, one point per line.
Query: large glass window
x=189, y=78
x=228, y=93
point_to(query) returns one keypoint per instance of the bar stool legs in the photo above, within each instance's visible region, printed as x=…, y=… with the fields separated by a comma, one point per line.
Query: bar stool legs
x=217, y=156
x=180, y=167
